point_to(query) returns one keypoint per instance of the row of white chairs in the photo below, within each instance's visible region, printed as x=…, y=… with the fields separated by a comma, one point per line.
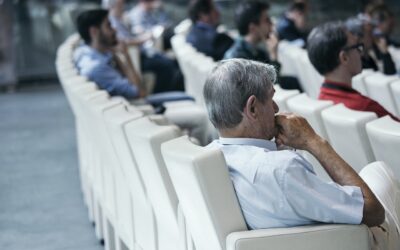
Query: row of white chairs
x=359, y=137
x=148, y=188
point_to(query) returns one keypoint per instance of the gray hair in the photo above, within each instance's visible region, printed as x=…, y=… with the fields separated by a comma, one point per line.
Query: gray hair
x=230, y=84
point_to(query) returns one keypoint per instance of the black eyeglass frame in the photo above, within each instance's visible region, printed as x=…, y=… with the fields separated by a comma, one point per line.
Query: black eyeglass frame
x=358, y=46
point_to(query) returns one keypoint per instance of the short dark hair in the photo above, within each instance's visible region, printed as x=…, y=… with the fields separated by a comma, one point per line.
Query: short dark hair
x=247, y=13
x=87, y=19
x=297, y=6
x=198, y=7
x=324, y=45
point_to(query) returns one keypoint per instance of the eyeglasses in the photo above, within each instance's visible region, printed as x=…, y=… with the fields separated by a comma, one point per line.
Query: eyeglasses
x=358, y=46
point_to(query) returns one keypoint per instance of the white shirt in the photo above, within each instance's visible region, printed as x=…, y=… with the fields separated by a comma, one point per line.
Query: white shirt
x=280, y=189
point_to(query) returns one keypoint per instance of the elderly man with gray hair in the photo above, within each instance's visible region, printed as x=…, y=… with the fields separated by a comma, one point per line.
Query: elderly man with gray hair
x=278, y=188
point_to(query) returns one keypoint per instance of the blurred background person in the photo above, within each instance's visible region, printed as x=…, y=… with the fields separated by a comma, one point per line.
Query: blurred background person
x=292, y=25
x=203, y=34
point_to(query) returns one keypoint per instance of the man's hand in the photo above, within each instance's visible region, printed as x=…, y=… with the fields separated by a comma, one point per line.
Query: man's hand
x=294, y=131
x=382, y=45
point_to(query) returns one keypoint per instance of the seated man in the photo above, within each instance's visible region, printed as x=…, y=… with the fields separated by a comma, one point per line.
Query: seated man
x=278, y=188
x=291, y=26
x=203, y=34
x=336, y=54
x=97, y=61
x=255, y=27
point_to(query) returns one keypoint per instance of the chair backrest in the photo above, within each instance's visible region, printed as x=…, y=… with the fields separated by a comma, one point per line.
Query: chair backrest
x=141, y=219
x=384, y=135
x=378, y=87
x=205, y=191
x=146, y=148
x=281, y=96
x=358, y=81
x=346, y=132
x=395, y=89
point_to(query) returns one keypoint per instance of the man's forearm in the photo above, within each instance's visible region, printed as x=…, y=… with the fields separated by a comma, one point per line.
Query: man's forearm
x=343, y=174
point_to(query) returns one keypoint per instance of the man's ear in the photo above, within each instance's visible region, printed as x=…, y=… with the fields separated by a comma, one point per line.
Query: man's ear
x=343, y=57
x=93, y=31
x=252, y=27
x=250, y=109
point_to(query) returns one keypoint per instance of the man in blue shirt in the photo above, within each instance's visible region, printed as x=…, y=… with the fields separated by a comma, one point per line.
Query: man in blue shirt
x=278, y=188
x=96, y=59
x=203, y=34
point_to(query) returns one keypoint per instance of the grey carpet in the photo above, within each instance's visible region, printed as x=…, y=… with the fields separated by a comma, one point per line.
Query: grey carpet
x=41, y=205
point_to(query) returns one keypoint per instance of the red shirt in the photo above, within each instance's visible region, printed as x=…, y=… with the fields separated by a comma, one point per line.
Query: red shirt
x=343, y=93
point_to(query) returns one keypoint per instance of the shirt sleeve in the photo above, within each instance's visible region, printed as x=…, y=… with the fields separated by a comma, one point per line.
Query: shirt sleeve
x=113, y=82
x=315, y=199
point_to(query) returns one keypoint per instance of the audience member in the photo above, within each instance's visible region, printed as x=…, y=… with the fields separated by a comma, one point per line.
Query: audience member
x=376, y=55
x=148, y=14
x=97, y=61
x=291, y=26
x=385, y=23
x=203, y=34
x=255, y=28
x=168, y=76
x=279, y=188
x=336, y=54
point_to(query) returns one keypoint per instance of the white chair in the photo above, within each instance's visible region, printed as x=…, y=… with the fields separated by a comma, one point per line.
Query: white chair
x=382, y=182
x=146, y=148
x=384, y=135
x=395, y=89
x=346, y=132
x=378, y=87
x=205, y=191
x=311, y=110
x=358, y=81
x=281, y=96
x=135, y=218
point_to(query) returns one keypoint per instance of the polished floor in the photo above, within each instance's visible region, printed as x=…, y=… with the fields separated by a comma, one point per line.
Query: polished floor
x=41, y=205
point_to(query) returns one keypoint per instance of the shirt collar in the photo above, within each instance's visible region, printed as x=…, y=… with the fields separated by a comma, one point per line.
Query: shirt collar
x=261, y=143
x=205, y=26
x=247, y=46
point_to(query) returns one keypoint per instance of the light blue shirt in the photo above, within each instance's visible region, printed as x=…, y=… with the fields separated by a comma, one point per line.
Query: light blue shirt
x=99, y=68
x=280, y=189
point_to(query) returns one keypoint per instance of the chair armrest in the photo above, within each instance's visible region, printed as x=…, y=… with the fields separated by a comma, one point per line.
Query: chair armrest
x=315, y=237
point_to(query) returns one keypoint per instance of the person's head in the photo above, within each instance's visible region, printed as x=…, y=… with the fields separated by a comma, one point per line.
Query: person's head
x=330, y=46
x=95, y=28
x=251, y=17
x=361, y=27
x=238, y=95
x=383, y=18
x=297, y=13
x=204, y=11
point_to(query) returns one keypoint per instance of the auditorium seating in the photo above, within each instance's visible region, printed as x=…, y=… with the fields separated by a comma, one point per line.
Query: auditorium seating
x=147, y=188
x=347, y=135
x=384, y=136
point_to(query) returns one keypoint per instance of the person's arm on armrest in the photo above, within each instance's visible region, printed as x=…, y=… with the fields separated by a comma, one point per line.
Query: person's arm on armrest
x=295, y=131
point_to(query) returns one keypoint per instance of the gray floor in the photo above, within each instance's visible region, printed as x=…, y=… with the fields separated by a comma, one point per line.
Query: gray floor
x=41, y=206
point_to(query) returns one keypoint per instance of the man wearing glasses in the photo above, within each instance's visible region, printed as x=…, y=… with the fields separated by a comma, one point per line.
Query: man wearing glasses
x=336, y=54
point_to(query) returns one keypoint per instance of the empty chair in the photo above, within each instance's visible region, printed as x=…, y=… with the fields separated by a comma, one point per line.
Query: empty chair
x=282, y=95
x=209, y=204
x=346, y=132
x=378, y=87
x=146, y=148
x=395, y=89
x=358, y=81
x=384, y=135
x=135, y=217
x=311, y=110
